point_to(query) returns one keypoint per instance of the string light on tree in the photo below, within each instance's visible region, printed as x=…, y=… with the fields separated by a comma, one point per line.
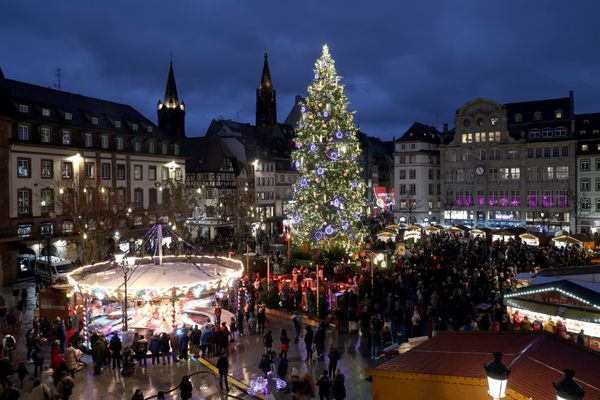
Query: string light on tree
x=329, y=199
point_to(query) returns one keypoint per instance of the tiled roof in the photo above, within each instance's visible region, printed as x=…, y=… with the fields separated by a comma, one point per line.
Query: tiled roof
x=419, y=132
x=82, y=109
x=537, y=360
x=206, y=154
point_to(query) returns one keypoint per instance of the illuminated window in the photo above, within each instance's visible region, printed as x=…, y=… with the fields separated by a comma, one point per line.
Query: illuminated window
x=24, y=167
x=68, y=116
x=94, y=120
x=584, y=147
x=558, y=114
x=87, y=139
x=104, y=141
x=66, y=136
x=67, y=170
x=23, y=108
x=23, y=132
x=117, y=124
x=119, y=141
x=45, y=135
x=47, y=169
x=46, y=112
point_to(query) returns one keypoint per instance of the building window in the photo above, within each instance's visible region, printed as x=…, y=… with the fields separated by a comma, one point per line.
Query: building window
x=598, y=184
x=90, y=169
x=152, y=173
x=558, y=114
x=67, y=170
x=24, y=167
x=561, y=131
x=534, y=133
x=412, y=174
x=24, y=201
x=210, y=194
x=24, y=230
x=512, y=154
x=45, y=136
x=584, y=165
x=121, y=172
x=431, y=189
x=47, y=201
x=564, y=151
x=547, y=132
x=119, y=141
x=137, y=172
x=138, y=198
x=151, y=147
x=104, y=141
x=178, y=174
x=47, y=171
x=117, y=124
x=23, y=108
x=67, y=226
x=176, y=149
x=137, y=146
x=105, y=170
x=152, y=197
x=149, y=129
x=164, y=173
x=584, y=184
x=466, y=156
x=134, y=127
x=546, y=152
x=584, y=147
x=402, y=174
x=412, y=189
x=402, y=160
x=23, y=132
x=46, y=112
x=87, y=139
x=556, y=151
x=494, y=154
x=94, y=120
x=47, y=228
x=518, y=117
x=431, y=175
x=585, y=204
x=165, y=148
x=537, y=116
x=66, y=136
x=68, y=116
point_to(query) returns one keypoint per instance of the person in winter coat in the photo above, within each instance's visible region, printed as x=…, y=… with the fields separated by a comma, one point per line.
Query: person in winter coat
x=10, y=344
x=163, y=346
x=324, y=384
x=206, y=339
x=154, y=349
x=70, y=358
x=116, y=348
x=338, y=388
x=99, y=356
x=223, y=367
x=141, y=351
x=185, y=387
x=334, y=357
x=22, y=372
x=40, y=391
x=195, y=340
x=184, y=341
x=308, y=341
x=297, y=321
x=261, y=318
x=138, y=395
x=64, y=387
x=38, y=358
x=320, y=339
x=55, y=359
x=268, y=341
x=232, y=329
x=252, y=321
x=174, y=342
x=285, y=344
x=282, y=368
x=265, y=364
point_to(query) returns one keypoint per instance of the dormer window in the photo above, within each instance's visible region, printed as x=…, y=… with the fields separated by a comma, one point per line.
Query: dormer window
x=94, y=120
x=558, y=114
x=68, y=116
x=584, y=147
x=518, y=117
x=24, y=108
x=149, y=129
x=537, y=116
x=45, y=136
x=66, y=136
x=134, y=127
x=117, y=124
x=46, y=112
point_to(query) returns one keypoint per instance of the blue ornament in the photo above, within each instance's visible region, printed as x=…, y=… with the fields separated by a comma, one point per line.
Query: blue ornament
x=354, y=184
x=298, y=145
x=345, y=225
x=320, y=171
x=339, y=135
x=303, y=109
x=300, y=125
x=296, y=218
x=297, y=164
x=312, y=147
x=317, y=76
x=336, y=202
x=326, y=114
x=329, y=230
x=303, y=182
x=333, y=155
x=318, y=235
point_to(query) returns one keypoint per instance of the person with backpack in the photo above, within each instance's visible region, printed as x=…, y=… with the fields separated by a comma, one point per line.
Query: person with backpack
x=324, y=384
x=10, y=344
x=142, y=350
x=268, y=341
x=64, y=387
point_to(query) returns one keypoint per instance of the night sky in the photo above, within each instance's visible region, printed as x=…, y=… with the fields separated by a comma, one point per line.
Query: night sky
x=402, y=61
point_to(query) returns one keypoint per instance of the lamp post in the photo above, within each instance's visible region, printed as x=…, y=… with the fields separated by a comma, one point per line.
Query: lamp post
x=567, y=388
x=497, y=374
x=543, y=225
x=125, y=263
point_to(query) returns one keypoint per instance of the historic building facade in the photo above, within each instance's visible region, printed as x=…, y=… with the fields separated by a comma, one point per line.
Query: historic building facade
x=511, y=165
x=74, y=166
x=587, y=212
x=417, y=175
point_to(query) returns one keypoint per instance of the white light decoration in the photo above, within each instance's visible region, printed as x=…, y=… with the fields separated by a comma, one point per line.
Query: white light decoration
x=497, y=374
x=119, y=257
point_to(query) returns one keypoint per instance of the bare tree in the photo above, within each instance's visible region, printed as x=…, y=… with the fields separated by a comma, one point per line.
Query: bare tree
x=408, y=206
x=449, y=202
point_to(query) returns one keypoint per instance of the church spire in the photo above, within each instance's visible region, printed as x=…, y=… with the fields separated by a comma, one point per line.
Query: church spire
x=266, y=107
x=171, y=112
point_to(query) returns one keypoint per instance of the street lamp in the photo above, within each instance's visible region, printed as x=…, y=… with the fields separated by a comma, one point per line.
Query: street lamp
x=497, y=374
x=567, y=388
x=125, y=263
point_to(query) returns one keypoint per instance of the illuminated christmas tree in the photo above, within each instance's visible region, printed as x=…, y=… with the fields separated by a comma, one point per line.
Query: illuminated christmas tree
x=329, y=193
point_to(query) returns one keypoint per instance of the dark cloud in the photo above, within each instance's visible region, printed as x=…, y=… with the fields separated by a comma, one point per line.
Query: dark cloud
x=401, y=61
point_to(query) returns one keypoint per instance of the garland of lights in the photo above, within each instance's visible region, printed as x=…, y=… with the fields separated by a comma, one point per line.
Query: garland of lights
x=550, y=289
x=329, y=196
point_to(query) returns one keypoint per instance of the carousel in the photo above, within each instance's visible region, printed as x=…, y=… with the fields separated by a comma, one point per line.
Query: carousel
x=150, y=289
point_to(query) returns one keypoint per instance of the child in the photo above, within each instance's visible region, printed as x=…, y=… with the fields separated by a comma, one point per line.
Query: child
x=22, y=372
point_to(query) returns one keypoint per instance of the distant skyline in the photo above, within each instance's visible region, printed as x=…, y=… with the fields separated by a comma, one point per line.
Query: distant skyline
x=401, y=62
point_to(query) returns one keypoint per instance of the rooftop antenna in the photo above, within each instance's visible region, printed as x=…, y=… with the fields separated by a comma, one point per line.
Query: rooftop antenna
x=57, y=75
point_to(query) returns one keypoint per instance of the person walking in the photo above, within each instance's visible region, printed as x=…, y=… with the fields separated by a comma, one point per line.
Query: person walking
x=308, y=342
x=61, y=334
x=116, y=348
x=70, y=358
x=185, y=387
x=232, y=329
x=338, y=388
x=268, y=341
x=297, y=321
x=320, y=340
x=334, y=356
x=324, y=384
x=265, y=364
x=38, y=358
x=285, y=344
x=261, y=318
x=10, y=344
x=163, y=346
x=99, y=356
x=206, y=339
x=223, y=367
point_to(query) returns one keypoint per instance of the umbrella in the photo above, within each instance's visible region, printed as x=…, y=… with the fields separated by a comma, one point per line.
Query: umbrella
x=567, y=239
x=386, y=234
x=393, y=227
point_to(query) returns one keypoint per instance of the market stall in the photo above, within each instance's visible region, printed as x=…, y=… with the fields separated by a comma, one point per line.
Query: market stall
x=530, y=239
x=477, y=233
x=386, y=236
x=412, y=232
x=502, y=235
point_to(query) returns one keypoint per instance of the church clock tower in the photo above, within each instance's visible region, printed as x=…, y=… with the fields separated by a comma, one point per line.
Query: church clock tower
x=171, y=112
x=266, y=107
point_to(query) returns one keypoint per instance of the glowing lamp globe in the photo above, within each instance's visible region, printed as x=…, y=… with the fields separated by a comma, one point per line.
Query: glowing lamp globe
x=497, y=374
x=567, y=388
x=119, y=257
x=131, y=260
